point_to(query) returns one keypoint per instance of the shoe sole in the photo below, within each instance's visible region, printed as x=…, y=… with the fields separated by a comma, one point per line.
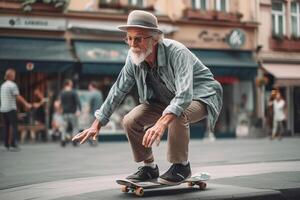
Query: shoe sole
x=166, y=182
x=137, y=180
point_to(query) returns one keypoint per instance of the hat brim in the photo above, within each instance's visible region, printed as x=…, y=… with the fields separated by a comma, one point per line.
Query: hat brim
x=125, y=27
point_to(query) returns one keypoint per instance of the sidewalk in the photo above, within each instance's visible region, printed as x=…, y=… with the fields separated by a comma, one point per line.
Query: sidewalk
x=90, y=173
x=266, y=181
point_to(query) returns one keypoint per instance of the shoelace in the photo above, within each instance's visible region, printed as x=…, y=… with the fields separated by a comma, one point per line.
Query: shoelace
x=175, y=168
x=141, y=170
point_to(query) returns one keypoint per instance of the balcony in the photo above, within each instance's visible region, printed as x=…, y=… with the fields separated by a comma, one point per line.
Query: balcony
x=212, y=15
x=28, y=6
x=125, y=7
x=283, y=43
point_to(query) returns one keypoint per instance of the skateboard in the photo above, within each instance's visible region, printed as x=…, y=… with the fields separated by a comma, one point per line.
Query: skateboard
x=138, y=187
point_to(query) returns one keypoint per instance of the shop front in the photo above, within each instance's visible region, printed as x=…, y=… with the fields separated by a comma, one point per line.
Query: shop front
x=236, y=71
x=227, y=50
x=40, y=64
x=101, y=61
x=287, y=80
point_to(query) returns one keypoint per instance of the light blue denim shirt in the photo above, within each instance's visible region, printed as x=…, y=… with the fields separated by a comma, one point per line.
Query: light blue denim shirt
x=184, y=75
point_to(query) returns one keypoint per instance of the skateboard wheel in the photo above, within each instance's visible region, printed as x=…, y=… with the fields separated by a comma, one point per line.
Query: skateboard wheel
x=191, y=184
x=125, y=189
x=139, y=192
x=202, y=185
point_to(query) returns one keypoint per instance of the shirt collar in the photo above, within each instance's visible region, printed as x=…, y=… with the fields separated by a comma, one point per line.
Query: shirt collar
x=161, y=54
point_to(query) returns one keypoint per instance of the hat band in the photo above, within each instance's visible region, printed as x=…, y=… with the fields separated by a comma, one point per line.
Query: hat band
x=142, y=23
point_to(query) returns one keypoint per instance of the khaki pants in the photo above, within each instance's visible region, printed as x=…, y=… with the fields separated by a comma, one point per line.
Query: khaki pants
x=142, y=117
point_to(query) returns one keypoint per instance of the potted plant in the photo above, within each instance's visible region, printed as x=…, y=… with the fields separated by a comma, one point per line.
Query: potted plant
x=198, y=14
x=44, y=5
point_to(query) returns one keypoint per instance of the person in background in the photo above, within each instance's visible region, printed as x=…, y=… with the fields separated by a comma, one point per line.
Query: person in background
x=270, y=113
x=9, y=93
x=71, y=107
x=278, y=117
x=96, y=100
x=39, y=112
x=58, y=123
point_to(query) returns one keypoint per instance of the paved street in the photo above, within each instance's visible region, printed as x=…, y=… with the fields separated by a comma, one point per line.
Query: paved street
x=240, y=169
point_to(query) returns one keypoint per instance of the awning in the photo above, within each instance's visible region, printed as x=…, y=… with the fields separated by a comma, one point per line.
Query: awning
x=109, y=57
x=229, y=63
x=105, y=58
x=285, y=74
x=44, y=55
x=109, y=27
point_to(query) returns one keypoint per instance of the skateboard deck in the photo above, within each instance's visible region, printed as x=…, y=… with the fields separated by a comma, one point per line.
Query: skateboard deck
x=139, y=187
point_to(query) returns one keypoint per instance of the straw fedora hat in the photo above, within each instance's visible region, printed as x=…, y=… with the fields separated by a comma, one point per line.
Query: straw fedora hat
x=141, y=19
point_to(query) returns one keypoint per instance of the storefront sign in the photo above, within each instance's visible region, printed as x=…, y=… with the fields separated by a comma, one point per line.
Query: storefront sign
x=236, y=38
x=51, y=24
x=29, y=66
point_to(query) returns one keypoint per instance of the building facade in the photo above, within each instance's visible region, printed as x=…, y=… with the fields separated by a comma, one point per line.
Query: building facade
x=279, y=56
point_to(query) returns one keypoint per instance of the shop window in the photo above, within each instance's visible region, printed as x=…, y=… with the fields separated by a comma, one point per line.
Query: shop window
x=199, y=4
x=137, y=3
x=295, y=19
x=278, y=18
x=296, y=110
x=222, y=5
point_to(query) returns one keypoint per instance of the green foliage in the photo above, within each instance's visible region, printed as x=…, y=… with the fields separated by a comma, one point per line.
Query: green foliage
x=27, y=4
x=278, y=37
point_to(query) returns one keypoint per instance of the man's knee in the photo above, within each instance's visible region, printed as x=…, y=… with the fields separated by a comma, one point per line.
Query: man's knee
x=128, y=121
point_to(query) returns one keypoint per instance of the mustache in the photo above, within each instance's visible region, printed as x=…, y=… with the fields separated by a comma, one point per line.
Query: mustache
x=135, y=49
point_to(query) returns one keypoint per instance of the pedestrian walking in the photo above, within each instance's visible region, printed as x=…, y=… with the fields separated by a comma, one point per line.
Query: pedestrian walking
x=96, y=100
x=270, y=112
x=279, y=116
x=174, y=88
x=71, y=107
x=10, y=93
x=58, y=122
x=96, y=97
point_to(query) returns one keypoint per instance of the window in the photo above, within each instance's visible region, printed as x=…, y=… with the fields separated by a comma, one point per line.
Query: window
x=278, y=18
x=221, y=5
x=295, y=18
x=199, y=4
x=137, y=3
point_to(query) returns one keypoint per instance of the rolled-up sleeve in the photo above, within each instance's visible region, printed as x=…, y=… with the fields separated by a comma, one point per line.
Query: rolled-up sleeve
x=118, y=91
x=15, y=90
x=182, y=62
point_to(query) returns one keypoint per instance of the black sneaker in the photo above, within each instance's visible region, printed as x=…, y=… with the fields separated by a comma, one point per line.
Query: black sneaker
x=144, y=173
x=176, y=174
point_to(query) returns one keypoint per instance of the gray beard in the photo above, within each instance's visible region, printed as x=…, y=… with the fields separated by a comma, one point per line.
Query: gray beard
x=137, y=59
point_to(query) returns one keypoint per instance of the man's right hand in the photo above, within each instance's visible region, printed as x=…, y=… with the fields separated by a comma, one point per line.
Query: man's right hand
x=83, y=136
x=93, y=131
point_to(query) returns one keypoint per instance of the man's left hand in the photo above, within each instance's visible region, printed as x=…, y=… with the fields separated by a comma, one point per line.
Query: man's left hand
x=154, y=134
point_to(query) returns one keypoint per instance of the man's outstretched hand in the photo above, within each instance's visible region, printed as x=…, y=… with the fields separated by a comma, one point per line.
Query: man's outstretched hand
x=83, y=136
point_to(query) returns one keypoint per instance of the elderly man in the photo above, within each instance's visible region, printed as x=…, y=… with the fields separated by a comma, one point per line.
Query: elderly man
x=175, y=89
